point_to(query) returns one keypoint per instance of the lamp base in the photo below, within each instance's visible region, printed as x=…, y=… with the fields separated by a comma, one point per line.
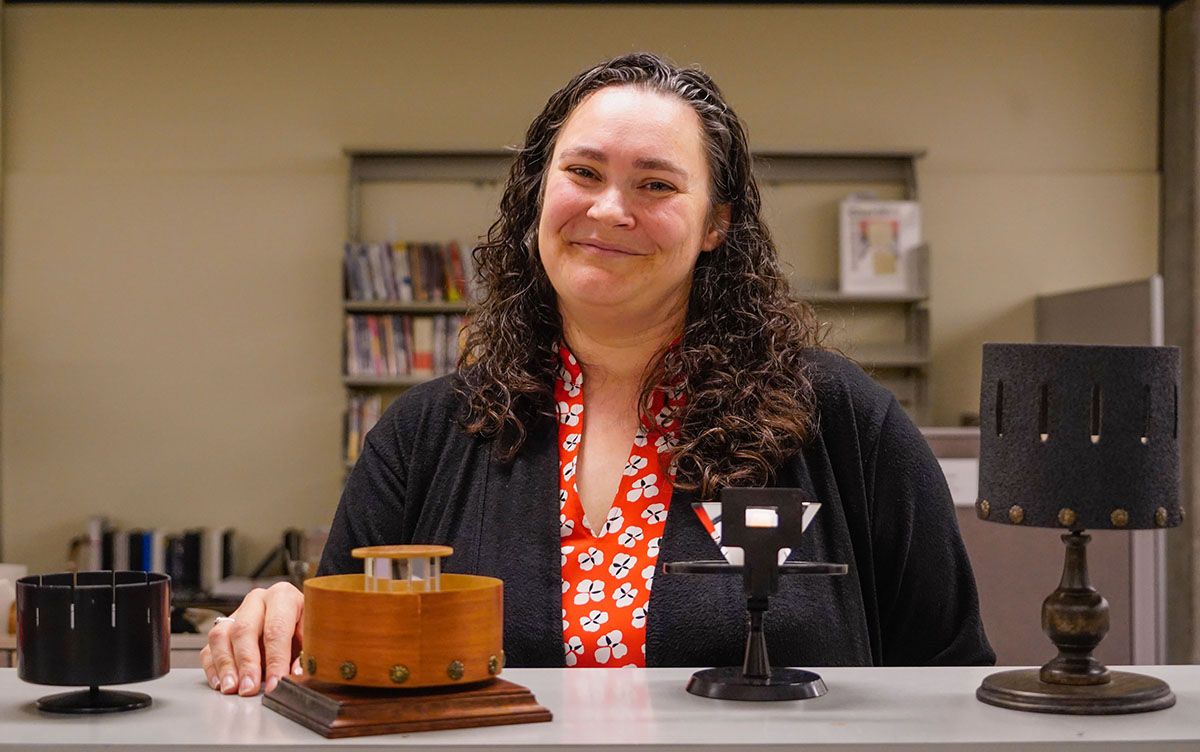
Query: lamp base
x=730, y=683
x=1125, y=693
x=93, y=700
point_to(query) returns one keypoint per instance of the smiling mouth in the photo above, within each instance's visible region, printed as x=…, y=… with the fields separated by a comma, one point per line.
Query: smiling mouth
x=606, y=250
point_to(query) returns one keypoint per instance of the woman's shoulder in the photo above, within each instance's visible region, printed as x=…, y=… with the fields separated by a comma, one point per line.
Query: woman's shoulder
x=431, y=403
x=844, y=389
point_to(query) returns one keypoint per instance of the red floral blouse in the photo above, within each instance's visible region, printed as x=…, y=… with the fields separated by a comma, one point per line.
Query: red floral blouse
x=606, y=578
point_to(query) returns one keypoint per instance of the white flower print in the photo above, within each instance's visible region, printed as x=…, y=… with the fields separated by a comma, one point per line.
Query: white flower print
x=639, y=438
x=630, y=536
x=591, y=558
x=570, y=384
x=566, y=624
x=652, y=547
x=635, y=464
x=653, y=513
x=589, y=590
x=566, y=550
x=573, y=648
x=569, y=469
x=664, y=442
x=592, y=622
x=571, y=441
x=610, y=647
x=562, y=499
x=621, y=564
x=614, y=522
x=639, y=617
x=624, y=595
x=648, y=575
x=644, y=486
x=565, y=526
x=569, y=414
x=566, y=586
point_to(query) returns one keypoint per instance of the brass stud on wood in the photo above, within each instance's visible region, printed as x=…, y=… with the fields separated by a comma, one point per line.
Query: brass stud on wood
x=493, y=665
x=1119, y=517
x=311, y=665
x=1016, y=514
x=1160, y=516
x=348, y=670
x=503, y=659
x=1066, y=517
x=455, y=670
x=983, y=508
x=398, y=673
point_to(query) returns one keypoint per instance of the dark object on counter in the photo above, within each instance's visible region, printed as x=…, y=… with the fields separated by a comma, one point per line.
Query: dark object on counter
x=760, y=521
x=91, y=629
x=1078, y=437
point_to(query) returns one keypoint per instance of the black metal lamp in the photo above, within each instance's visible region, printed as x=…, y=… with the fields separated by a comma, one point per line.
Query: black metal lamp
x=93, y=628
x=1079, y=438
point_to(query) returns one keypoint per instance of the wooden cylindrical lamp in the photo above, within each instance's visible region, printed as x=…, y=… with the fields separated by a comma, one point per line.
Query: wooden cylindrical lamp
x=402, y=623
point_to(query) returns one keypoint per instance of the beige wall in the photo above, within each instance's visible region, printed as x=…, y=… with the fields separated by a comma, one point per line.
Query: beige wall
x=175, y=204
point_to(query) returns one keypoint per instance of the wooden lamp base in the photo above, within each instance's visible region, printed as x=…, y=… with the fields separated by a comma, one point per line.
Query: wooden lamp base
x=336, y=710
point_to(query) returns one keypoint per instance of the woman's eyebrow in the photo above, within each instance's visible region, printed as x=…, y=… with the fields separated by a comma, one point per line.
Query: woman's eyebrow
x=641, y=163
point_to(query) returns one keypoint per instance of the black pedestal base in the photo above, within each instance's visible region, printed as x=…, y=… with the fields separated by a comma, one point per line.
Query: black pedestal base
x=1125, y=693
x=731, y=684
x=94, y=700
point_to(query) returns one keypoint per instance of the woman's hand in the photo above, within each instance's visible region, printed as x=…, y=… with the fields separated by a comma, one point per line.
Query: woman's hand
x=266, y=626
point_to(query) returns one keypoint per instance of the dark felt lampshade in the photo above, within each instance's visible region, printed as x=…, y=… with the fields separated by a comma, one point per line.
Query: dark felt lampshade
x=1079, y=437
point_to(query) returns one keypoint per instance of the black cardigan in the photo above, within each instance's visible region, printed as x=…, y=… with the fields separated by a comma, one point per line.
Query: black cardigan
x=909, y=597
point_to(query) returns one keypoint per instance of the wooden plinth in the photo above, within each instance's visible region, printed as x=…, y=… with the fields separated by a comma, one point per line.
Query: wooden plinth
x=1126, y=692
x=335, y=710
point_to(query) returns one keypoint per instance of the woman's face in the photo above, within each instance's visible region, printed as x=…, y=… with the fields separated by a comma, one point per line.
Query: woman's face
x=626, y=209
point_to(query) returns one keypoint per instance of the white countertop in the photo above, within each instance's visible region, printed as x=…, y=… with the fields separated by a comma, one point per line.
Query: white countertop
x=647, y=709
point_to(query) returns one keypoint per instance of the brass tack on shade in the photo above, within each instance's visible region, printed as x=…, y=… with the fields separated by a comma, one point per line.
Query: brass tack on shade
x=348, y=670
x=1119, y=517
x=398, y=673
x=1016, y=514
x=493, y=665
x=1066, y=517
x=311, y=665
x=1160, y=516
x=503, y=659
x=455, y=670
x=984, y=508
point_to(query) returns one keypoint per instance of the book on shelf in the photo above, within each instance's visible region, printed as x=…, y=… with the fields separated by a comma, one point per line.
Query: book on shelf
x=407, y=272
x=878, y=244
x=195, y=558
x=362, y=413
x=389, y=345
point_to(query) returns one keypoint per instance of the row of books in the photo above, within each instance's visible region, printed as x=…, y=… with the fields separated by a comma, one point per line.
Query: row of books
x=420, y=272
x=196, y=559
x=362, y=413
x=401, y=345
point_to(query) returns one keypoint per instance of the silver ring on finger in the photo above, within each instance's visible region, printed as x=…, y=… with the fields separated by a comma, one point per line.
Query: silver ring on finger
x=220, y=619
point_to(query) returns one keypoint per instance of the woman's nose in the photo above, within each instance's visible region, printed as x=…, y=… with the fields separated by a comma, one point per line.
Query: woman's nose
x=611, y=207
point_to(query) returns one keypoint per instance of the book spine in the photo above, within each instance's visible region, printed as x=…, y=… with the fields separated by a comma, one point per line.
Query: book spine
x=422, y=330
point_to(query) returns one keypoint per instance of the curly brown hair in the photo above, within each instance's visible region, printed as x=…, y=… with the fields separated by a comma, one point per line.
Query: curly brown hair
x=749, y=398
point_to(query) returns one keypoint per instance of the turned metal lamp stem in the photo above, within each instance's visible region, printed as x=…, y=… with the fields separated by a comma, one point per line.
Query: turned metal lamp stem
x=1075, y=618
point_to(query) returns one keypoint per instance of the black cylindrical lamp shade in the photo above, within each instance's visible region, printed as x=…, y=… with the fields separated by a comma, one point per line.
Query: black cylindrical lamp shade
x=93, y=628
x=1079, y=437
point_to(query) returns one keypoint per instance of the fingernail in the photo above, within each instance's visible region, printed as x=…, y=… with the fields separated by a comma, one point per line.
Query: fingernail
x=247, y=686
x=214, y=681
x=228, y=682
x=270, y=683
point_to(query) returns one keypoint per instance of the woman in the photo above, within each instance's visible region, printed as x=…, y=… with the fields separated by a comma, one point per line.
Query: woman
x=630, y=273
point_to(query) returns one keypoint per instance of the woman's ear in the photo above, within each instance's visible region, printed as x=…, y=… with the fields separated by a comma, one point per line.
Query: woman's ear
x=718, y=225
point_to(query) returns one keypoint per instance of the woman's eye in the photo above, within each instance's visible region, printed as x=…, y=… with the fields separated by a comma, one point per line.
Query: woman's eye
x=583, y=172
x=659, y=186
